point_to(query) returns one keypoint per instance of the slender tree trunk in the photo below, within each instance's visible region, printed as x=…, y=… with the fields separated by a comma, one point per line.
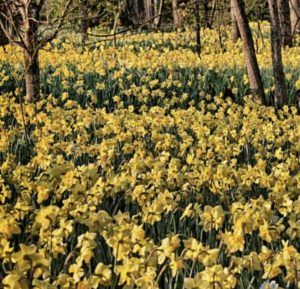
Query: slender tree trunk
x=235, y=29
x=148, y=10
x=197, y=18
x=158, y=5
x=31, y=53
x=278, y=73
x=84, y=20
x=116, y=20
x=285, y=22
x=176, y=14
x=213, y=10
x=206, y=14
x=295, y=15
x=254, y=75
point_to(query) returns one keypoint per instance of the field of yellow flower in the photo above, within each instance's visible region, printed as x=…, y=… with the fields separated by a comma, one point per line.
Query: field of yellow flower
x=134, y=171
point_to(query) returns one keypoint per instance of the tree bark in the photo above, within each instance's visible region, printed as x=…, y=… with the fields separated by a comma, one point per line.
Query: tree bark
x=235, y=29
x=278, y=73
x=285, y=22
x=148, y=10
x=32, y=76
x=84, y=20
x=197, y=30
x=254, y=75
x=295, y=15
x=31, y=53
x=176, y=14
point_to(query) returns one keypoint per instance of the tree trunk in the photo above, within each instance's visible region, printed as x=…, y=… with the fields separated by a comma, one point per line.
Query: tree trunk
x=158, y=5
x=176, y=14
x=254, y=75
x=235, y=29
x=135, y=5
x=206, y=14
x=117, y=20
x=32, y=76
x=295, y=15
x=31, y=53
x=148, y=10
x=285, y=23
x=278, y=73
x=84, y=20
x=213, y=10
x=197, y=18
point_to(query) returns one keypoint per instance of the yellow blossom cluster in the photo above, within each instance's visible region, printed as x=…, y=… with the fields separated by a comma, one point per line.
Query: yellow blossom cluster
x=138, y=178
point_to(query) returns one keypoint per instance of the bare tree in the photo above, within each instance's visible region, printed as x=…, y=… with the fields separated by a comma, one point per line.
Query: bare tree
x=176, y=14
x=254, y=75
x=235, y=29
x=278, y=73
x=285, y=22
x=295, y=15
x=27, y=34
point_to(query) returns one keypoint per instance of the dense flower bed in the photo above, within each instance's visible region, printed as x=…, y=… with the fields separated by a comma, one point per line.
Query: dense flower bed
x=129, y=174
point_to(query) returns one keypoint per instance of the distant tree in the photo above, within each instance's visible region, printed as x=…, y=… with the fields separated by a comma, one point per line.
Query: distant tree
x=158, y=6
x=278, y=73
x=148, y=10
x=254, y=75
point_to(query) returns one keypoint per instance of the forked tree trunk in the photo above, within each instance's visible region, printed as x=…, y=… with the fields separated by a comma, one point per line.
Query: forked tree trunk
x=176, y=14
x=254, y=75
x=197, y=18
x=235, y=29
x=285, y=22
x=295, y=15
x=84, y=20
x=278, y=73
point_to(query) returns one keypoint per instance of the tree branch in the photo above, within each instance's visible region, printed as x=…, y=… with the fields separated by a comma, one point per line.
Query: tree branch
x=49, y=38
